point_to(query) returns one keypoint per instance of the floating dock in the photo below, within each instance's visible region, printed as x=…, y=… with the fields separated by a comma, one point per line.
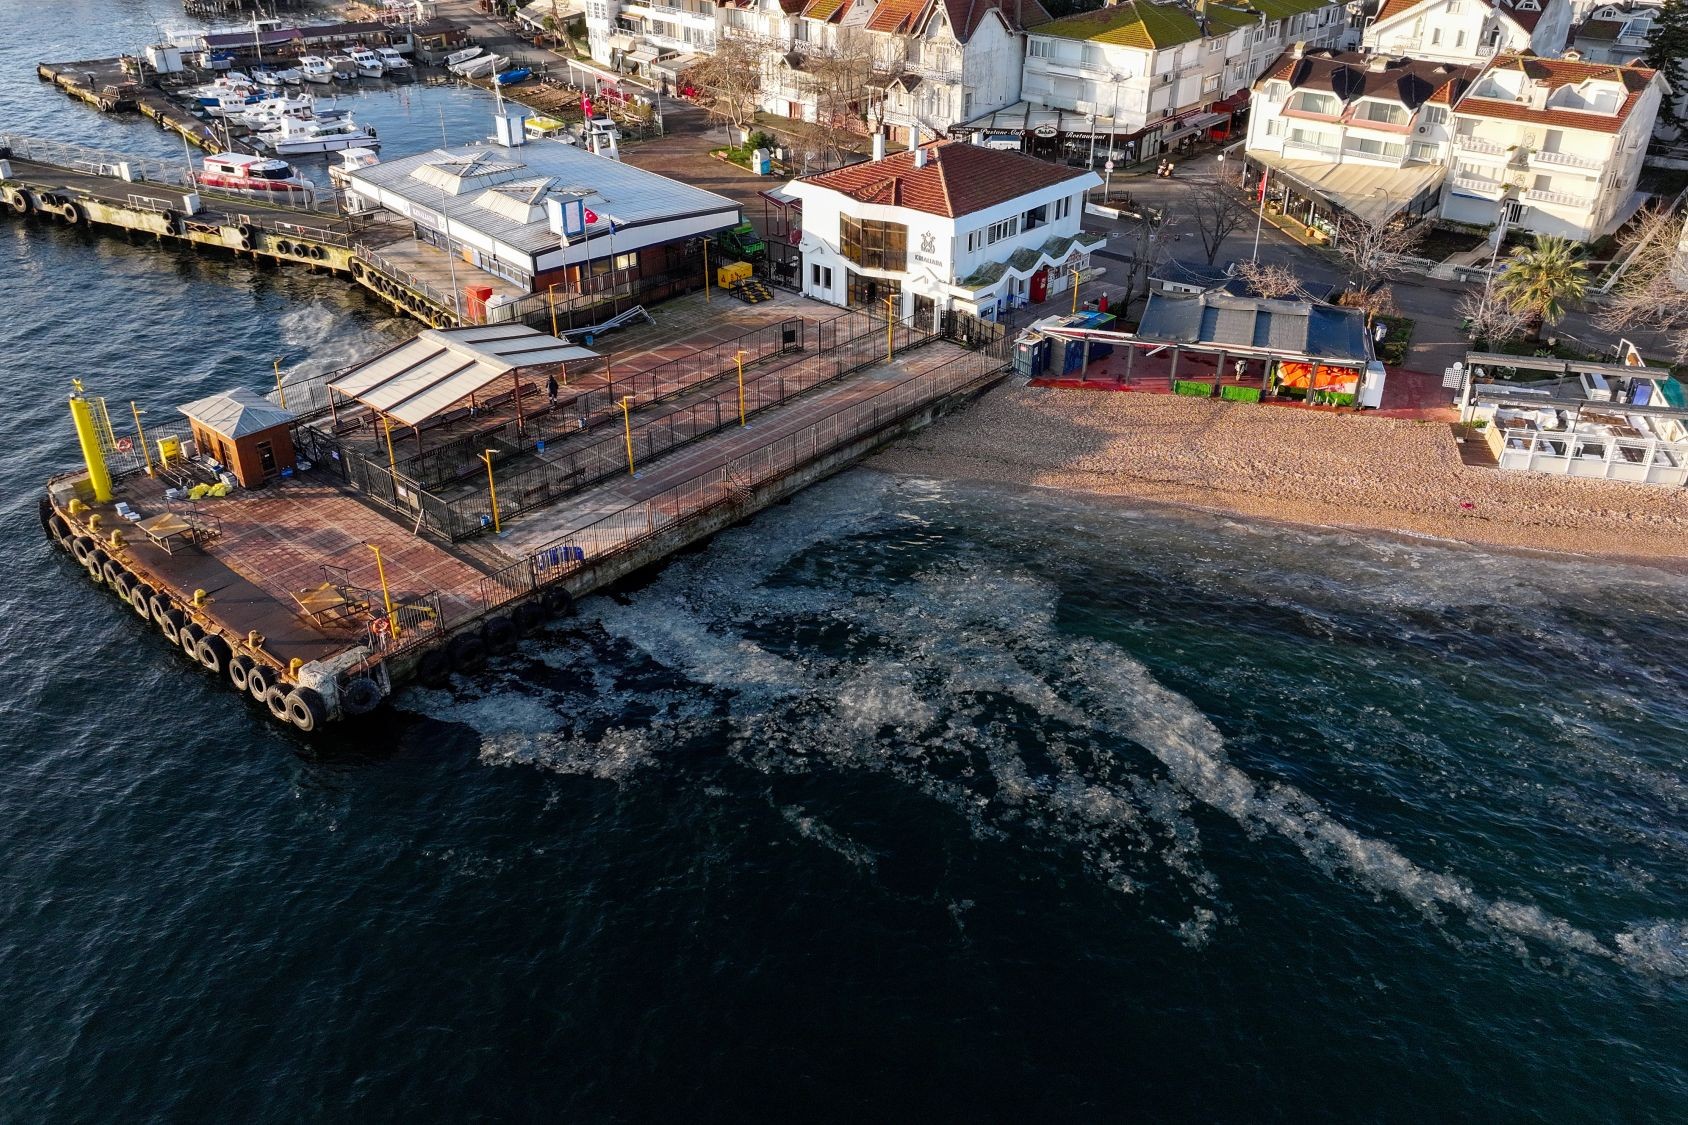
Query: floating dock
x=370, y=554
x=115, y=86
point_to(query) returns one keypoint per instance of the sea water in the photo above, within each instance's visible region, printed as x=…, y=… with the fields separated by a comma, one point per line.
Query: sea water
x=908, y=799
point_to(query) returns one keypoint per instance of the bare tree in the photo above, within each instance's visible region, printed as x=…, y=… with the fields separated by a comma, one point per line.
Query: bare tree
x=1372, y=252
x=1215, y=214
x=1650, y=292
x=731, y=79
x=1488, y=319
x=1270, y=279
x=841, y=81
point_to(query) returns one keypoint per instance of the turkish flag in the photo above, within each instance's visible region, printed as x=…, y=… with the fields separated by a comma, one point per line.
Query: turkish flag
x=591, y=215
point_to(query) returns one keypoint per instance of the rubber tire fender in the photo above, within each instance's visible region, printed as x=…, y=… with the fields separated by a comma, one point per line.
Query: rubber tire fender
x=213, y=653
x=112, y=571
x=72, y=214
x=357, y=271
x=318, y=253
x=305, y=709
x=499, y=635
x=275, y=698
x=434, y=668
x=59, y=530
x=172, y=624
x=158, y=606
x=247, y=234
x=468, y=652
x=360, y=696
x=82, y=547
x=284, y=247
x=140, y=600
x=240, y=667
x=189, y=636
x=259, y=681
x=529, y=616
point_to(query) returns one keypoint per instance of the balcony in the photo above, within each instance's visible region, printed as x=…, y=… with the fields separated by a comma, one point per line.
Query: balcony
x=1558, y=198
x=1487, y=189
x=1479, y=146
x=1307, y=151
x=1567, y=160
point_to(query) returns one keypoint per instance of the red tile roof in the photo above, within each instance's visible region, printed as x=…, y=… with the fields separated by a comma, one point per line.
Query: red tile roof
x=1554, y=74
x=958, y=178
x=895, y=16
x=1352, y=74
x=1507, y=8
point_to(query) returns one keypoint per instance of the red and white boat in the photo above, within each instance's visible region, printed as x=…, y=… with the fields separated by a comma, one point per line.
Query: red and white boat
x=262, y=176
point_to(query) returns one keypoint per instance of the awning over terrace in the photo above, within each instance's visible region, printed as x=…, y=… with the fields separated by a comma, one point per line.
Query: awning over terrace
x=440, y=367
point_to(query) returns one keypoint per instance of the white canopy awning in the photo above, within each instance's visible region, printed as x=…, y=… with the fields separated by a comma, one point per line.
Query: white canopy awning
x=443, y=366
x=1370, y=192
x=645, y=54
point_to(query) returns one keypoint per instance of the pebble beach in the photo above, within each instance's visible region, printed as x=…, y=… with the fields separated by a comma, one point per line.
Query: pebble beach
x=1299, y=466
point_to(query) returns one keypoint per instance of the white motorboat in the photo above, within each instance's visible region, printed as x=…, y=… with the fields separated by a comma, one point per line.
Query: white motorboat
x=315, y=68
x=344, y=68
x=223, y=98
x=289, y=75
x=267, y=78
x=293, y=136
x=267, y=111
x=398, y=67
x=462, y=56
x=259, y=176
x=368, y=64
x=484, y=66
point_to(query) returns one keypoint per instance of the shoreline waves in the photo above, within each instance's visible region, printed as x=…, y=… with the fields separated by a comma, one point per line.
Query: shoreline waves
x=1304, y=467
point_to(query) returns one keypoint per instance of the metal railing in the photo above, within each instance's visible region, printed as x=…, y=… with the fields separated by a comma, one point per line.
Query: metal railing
x=96, y=162
x=607, y=456
x=1569, y=159
x=1559, y=198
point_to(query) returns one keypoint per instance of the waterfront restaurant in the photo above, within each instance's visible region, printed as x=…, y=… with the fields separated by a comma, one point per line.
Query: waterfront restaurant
x=944, y=226
x=545, y=214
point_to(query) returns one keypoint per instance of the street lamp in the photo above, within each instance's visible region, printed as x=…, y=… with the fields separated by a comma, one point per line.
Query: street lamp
x=386, y=594
x=492, y=490
x=627, y=422
x=1078, y=276
x=739, y=358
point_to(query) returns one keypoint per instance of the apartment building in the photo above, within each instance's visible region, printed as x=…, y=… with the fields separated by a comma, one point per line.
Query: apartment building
x=1134, y=79
x=1553, y=146
x=1467, y=31
x=1342, y=131
x=947, y=225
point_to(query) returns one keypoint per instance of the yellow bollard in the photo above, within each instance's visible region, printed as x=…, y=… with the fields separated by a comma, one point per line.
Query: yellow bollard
x=201, y=599
x=254, y=639
x=293, y=667
x=116, y=539
x=77, y=507
x=94, y=522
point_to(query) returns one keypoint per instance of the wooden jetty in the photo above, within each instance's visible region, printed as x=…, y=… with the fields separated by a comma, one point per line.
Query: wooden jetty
x=117, y=85
x=318, y=592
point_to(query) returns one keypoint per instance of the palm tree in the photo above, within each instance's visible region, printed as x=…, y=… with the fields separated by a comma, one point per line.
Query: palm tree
x=1540, y=281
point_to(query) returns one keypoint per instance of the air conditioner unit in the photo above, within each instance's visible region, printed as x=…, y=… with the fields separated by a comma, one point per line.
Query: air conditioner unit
x=1423, y=129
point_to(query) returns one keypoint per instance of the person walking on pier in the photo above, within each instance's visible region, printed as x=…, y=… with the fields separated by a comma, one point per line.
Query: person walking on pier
x=551, y=389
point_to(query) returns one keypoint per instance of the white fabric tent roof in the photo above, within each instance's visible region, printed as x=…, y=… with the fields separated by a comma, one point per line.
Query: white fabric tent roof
x=1369, y=192
x=441, y=366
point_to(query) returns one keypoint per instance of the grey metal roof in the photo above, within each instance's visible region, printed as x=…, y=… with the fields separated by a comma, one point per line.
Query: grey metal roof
x=1302, y=329
x=613, y=191
x=427, y=374
x=236, y=413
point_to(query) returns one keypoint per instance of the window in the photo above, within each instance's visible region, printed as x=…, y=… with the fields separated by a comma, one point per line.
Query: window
x=1210, y=83
x=1037, y=48
x=1007, y=228
x=975, y=240
x=1371, y=146
x=1093, y=57
x=1036, y=217
x=1435, y=36
x=1426, y=153
x=1275, y=127
x=873, y=243
x=820, y=277
x=1308, y=102
x=1459, y=39
x=1216, y=46
x=1434, y=114
x=1543, y=183
x=1383, y=113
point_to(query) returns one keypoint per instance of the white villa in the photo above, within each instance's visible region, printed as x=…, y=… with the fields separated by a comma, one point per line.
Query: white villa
x=1553, y=146
x=946, y=226
x=1468, y=31
x=1365, y=134
x=1137, y=77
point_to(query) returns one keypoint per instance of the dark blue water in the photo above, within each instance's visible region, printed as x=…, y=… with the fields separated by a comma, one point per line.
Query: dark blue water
x=905, y=800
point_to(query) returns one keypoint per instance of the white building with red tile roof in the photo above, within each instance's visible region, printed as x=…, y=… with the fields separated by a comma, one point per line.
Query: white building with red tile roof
x=947, y=226
x=1468, y=31
x=1553, y=146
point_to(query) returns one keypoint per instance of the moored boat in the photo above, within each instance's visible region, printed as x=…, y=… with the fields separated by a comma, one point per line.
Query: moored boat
x=398, y=68
x=514, y=75
x=463, y=56
x=260, y=176
x=367, y=62
x=344, y=68
x=293, y=136
x=482, y=66
x=315, y=68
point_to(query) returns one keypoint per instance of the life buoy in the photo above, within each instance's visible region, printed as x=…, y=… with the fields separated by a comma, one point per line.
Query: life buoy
x=83, y=548
x=468, y=652
x=360, y=696
x=213, y=653
x=171, y=625
x=434, y=669
x=189, y=636
x=499, y=635
x=140, y=600
x=259, y=681
x=275, y=698
x=304, y=708
x=240, y=667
